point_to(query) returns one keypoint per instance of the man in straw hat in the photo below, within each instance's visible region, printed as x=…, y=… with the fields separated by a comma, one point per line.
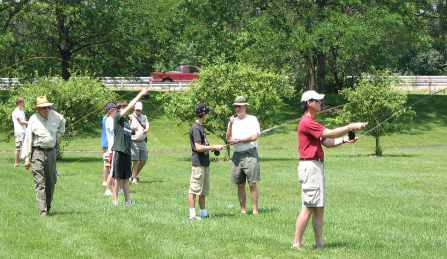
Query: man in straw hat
x=44, y=132
x=243, y=132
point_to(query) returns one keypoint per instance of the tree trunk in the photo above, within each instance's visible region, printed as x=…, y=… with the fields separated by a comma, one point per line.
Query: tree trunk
x=64, y=45
x=311, y=72
x=65, y=64
x=321, y=74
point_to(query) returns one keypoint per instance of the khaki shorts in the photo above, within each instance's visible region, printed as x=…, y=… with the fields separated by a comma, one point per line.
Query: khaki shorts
x=313, y=183
x=105, y=156
x=245, y=167
x=19, y=140
x=138, y=150
x=200, y=181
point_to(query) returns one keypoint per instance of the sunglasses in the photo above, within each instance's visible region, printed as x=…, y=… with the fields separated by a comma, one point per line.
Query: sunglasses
x=238, y=106
x=313, y=100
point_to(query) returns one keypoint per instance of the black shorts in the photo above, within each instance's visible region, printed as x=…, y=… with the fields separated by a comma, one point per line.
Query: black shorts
x=121, y=166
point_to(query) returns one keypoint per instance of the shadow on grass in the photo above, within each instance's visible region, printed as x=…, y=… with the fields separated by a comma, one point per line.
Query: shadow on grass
x=388, y=155
x=262, y=158
x=87, y=158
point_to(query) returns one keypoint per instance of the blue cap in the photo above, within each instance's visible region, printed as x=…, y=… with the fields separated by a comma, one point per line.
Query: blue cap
x=53, y=108
x=110, y=106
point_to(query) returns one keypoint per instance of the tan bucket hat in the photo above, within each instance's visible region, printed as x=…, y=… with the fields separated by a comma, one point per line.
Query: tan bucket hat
x=42, y=101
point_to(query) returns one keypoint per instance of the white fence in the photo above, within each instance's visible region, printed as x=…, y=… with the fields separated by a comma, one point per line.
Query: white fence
x=412, y=83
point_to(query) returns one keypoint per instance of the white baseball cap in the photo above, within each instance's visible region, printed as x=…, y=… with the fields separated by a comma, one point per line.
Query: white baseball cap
x=311, y=95
x=139, y=106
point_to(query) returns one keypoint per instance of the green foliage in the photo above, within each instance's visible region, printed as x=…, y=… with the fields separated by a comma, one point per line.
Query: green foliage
x=374, y=98
x=219, y=85
x=81, y=100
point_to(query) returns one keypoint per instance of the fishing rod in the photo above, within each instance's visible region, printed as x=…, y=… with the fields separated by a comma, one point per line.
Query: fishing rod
x=275, y=127
x=408, y=105
x=396, y=112
x=325, y=110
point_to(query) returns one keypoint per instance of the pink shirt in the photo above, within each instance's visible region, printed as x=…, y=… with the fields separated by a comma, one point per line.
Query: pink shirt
x=309, y=132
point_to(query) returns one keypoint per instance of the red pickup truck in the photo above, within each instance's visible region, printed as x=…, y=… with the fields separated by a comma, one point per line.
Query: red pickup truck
x=185, y=73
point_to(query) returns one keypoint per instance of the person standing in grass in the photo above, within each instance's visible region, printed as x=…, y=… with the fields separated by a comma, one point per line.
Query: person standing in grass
x=44, y=132
x=111, y=112
x=122, y=161
x=243, y=132
x=200, y=176
x=139, y=127
x=19, y=120
x=311, y=135
x=105, y=149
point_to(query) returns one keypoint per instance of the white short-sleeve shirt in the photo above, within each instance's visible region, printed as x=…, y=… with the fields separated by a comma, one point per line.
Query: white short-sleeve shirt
x=245, y=128
x=18, y=127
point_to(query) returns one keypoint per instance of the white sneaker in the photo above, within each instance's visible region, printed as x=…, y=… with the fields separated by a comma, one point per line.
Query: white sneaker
x=115, y=203
x=108, y=193
x=120, y=191
x=16, y=165
x=195, y=217
x=104, y=183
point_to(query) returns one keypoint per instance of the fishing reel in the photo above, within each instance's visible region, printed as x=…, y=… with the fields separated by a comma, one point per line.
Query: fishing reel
x=351, y=135
x=216, y=152
x=146, y=97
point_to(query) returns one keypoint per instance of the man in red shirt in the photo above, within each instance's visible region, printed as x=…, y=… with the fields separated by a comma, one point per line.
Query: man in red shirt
x=311, y=135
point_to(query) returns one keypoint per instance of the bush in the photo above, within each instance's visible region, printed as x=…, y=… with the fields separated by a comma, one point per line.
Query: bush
x=81, y=100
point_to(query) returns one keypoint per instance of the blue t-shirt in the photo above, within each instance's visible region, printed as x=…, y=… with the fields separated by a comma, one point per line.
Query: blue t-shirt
x=104, y=142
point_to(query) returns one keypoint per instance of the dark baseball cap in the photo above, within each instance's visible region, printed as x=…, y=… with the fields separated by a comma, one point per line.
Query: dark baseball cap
x=110, y=106
x=201, y=107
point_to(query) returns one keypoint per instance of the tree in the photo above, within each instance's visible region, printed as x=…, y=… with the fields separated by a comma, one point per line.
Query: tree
x=374, y=98
x=109, y=38
x=80, y=100
x=219, y=85
x=342, y=38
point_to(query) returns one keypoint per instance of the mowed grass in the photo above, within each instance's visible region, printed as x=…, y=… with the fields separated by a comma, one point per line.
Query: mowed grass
x=378, y=207
x=387, y=207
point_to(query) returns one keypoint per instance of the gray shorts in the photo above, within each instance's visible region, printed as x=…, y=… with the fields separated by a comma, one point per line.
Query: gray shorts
x=19, y=140
x=138, y=150
x=199, y=183
x=313, y=183
x=245, y=167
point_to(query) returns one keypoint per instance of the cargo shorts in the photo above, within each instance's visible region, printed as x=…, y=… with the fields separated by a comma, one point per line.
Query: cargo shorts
x=19, y=137
x=199, y=183
x=313, y=183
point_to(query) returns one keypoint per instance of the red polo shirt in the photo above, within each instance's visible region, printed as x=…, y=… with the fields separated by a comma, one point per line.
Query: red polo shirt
x=309, y=132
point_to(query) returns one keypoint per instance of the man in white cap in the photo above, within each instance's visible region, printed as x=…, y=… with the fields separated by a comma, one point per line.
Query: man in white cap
x=243, y=132
x=311, y=136
x=44, y=132
x=139, y=127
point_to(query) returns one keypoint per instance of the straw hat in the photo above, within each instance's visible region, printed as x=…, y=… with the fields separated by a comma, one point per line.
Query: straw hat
x=42, y=102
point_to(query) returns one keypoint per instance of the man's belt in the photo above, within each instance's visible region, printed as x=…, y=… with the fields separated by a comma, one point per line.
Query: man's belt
x=44, y=149
x=313, y=159
x=245, y=152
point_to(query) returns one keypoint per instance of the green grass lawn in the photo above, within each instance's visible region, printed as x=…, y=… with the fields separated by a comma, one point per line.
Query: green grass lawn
x=377, y=208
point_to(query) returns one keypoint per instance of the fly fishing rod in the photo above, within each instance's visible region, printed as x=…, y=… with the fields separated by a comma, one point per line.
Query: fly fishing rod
x=278, y=126
x=397, y=111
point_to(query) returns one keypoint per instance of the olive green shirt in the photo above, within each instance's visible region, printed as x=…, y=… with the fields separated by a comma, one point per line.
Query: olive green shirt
x=42, y=132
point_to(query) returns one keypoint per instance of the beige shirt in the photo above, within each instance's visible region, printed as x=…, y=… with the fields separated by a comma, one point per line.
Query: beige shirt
x=139, y=133
x=42, y=132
